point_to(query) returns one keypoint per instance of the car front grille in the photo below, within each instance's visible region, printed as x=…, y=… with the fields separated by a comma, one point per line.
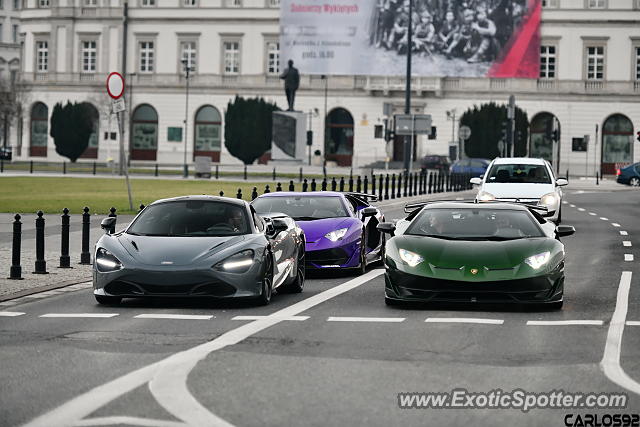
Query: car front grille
x=335, y=256
x=126, y=288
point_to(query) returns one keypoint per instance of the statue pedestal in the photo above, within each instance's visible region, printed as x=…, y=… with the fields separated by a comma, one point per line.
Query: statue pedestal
x=288, y=143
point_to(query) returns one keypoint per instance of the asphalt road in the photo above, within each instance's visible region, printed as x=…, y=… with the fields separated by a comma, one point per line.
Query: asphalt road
x=335, y=354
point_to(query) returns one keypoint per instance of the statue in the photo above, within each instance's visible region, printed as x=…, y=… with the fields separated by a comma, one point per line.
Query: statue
x=291, y=78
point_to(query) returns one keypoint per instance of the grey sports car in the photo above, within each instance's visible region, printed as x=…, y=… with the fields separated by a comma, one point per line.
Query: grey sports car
x=199, y=246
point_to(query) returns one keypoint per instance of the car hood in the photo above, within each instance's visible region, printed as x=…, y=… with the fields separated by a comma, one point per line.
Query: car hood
x=176, y=251
x=315, y=230
x=517, y=190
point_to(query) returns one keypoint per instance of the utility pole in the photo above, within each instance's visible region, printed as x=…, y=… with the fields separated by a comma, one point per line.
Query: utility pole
x=408, y=139
x=121, y=116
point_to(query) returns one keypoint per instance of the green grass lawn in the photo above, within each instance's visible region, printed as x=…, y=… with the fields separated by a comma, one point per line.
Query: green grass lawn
x=51, y=195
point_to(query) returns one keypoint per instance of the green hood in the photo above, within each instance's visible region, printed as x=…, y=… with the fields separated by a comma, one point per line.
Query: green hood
x=455, y=259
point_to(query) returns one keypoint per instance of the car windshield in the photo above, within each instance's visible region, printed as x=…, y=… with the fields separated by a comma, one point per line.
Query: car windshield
x=302, y=208
x=519, y=173
x=191, y=218
x=474, y=224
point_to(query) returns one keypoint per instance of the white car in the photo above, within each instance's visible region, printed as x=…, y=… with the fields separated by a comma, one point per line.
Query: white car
x=523, y=180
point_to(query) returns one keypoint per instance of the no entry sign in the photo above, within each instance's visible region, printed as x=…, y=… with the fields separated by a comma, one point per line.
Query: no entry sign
x=115, y=85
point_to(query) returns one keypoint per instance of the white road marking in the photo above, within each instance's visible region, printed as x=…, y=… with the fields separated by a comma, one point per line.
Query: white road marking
x=581, y=209
x=615, y=224
x=367, y=319
x=293, y=318
x=573, y=206
x=464, y=320
x=604, y=219
x=564, y=202
x=564, y=322
x=626, y=243
x=633, y=323
x=610, y=363
x=167, y=378
x=592, y=213
x=8, y=303
x=624, y=233
x=173, y=316
x=130, y=421
x=628, y=257
x=10, y=313
x=79, y=315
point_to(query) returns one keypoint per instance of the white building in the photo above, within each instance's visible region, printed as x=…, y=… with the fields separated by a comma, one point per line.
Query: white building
x=9, y=57
x=589, y=80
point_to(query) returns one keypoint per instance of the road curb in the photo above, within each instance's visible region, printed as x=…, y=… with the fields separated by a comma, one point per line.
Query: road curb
x=37, y=290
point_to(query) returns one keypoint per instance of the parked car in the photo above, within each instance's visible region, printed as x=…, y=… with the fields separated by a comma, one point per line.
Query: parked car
x=5, y=153
x=629, y=175
x=199, y=247
x=473, y=167
x=441, y=163
x=523, y=180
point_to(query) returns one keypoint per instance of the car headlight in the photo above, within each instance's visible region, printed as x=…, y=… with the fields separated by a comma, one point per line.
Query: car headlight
x=336, y=235
x=106, y=261
x=483, y=196
x=537, y=261
x=550, y=200
x=238, y=263
x=412, y=259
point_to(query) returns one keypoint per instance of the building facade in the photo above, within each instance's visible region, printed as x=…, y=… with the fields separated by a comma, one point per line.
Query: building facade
x=589, y=82
x=9, y=64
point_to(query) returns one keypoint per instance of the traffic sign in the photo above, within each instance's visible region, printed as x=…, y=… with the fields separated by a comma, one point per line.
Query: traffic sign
x=118, y=105
x=464, y=132
x=412, y=124
x=115, y=85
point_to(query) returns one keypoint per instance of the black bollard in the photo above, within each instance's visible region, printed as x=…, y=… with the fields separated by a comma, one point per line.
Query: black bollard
x=239, y=194
x=245, y=172
x=393, y=186
x=15, y=271
x=41, y=264
x=305, y=186
x=313, y=184
x=64, y=168
x=406, y=181
x=273, y=174
x=279, y=187
x=324, y=184
x=217, y=172
x=399, y=186
x=386, y=187
x=65, y=260
x=373, y=185
x=334, y=185
x=266, y=189
x=359, y=185
x=291, y=186
x=300, y=177
x=94, y=168
x=430, y=184
x=350, y=183
x=410, y=185
x=365, y=184
x=341, y=183
x=31, y=166
x=85, y=255
x=113, y=214
x=221, y=193
x=142, y=206
x=254, y=193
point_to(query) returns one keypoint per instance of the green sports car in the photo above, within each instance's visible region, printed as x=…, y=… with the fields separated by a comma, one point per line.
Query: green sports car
x=475, y=252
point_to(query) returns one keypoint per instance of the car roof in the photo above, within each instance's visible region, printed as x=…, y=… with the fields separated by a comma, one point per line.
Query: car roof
x=473, y=205
x=202, y=198
x=518, y=160
x=303, y=193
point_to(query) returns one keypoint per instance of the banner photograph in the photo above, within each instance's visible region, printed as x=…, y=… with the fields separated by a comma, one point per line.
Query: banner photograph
x=451, y=38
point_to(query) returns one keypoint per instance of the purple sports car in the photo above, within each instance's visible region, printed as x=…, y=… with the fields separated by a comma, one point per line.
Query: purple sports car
x=340, y=228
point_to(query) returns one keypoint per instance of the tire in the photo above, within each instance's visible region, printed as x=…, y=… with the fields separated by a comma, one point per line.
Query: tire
x=634, y=181
x=108, y=300
x=297, y=285
x=267, y=284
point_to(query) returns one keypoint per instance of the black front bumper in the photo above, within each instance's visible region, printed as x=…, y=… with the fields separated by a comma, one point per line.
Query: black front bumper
x=402, y=286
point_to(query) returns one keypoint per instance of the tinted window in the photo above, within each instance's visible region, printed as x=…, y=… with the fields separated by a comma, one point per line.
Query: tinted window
x=302, y=208
x=192, y=218
x=478, y=164
x=475, y=224
x=518, y=173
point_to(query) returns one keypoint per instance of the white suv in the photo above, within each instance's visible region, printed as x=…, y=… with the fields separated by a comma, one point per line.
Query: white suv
x=523, y=180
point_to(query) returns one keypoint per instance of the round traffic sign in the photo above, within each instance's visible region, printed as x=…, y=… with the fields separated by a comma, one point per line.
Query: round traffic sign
x=464, y=132
x=115, y=85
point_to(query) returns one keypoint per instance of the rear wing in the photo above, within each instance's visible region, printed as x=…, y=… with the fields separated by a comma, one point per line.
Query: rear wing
x=412, y=207
x=365, y=196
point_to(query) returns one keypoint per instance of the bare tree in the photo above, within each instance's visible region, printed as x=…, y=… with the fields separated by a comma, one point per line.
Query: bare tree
x=14, y=96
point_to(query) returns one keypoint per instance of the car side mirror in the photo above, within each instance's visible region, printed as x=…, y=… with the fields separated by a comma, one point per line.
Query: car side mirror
x=108, y=224
x=565, y=230
x=561, y=182
x=386, y=227
x=548, y=213
x=369, y=211
x=279, y=225
x=476, y=181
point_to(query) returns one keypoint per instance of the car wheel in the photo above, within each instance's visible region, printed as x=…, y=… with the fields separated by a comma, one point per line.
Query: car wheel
x=267, y=283
x=108, y=300
x=634, y=182
x=298, y=284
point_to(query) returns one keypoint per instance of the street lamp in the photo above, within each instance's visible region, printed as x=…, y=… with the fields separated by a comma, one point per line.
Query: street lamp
x=408, y=139
x=451, y=115
x=312, y=113
x=187, y=70
x=326, y=92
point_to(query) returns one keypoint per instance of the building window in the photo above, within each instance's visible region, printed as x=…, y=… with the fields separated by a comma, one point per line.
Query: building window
x=16, y=4
x=147, y=3
x=273, y=58
x=637, y=49
x=273, y=3
x=234, y=3
x=547, y=62
x=550, y=3
x=90, y=2
x=146, y=57
x=14, y=34
x=39, y=130
x=1, y=32
x=43, y=3
x=89, y=55
x=596, y=4
x=190, y=3
x=188, y=53
x=42, y=56
x=595, y=62
x=1, y=4
x=231, y=57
